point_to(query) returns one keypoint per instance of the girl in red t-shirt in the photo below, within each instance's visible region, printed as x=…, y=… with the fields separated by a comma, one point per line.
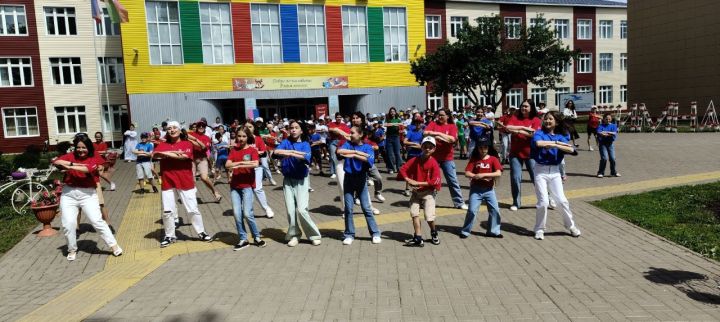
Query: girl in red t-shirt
x=81, y=168
x=257, y=143
x=593, y=122
x=482, y=170
x=522, y=127
x=243, y=160
x=107, y=170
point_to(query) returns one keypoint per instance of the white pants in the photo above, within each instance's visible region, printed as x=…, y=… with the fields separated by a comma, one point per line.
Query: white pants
x=169, y=215
x=548, y=177
x=72, y=200
x=259, y=192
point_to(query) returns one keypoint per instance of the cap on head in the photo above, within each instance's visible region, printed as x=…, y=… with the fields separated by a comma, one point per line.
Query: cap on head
x=259, y=119
x=484, y=141
x=429, y=139
x=174, y=124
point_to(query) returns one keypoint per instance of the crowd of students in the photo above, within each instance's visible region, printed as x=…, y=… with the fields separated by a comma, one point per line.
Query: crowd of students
x=415, y=146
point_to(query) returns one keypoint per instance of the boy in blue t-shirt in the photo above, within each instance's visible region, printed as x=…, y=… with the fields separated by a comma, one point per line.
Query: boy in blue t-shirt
x=143, y=166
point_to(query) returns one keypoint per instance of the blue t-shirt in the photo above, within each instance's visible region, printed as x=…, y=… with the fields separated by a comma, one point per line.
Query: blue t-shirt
x=551, y=156
x=145, y=147
x=414, y=135
x=380, y=132
x=293, y=167
x=223, y=150
x=314, y=139
x=355, y=166
x=477, y=132
x=610, y=127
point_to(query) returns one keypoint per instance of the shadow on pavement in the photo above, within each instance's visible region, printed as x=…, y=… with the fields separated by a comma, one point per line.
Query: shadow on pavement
x=328, y=210
x=86, y=246
x=228, y=238
x=694, y=285
x=569, y=174
x=397, y=236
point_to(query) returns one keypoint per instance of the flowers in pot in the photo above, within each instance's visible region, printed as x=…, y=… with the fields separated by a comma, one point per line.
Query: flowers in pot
x=45, y=207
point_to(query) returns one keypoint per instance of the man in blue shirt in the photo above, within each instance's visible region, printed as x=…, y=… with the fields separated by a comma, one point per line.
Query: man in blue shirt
x=607, y=133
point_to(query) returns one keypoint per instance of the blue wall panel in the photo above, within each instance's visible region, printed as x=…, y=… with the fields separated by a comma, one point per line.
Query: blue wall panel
x=290, y=39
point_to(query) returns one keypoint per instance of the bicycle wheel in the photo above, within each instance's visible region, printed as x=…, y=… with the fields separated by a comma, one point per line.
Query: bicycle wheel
x=25, y=193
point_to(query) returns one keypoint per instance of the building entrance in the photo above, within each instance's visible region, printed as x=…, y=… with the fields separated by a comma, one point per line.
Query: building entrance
x=291, y=108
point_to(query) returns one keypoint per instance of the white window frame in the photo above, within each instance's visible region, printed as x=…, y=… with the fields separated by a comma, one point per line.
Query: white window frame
x=106, y=27
x=105, y=65
x=5, y=14
x=459, y=101
x=583, y=89
x=310, y=30
x=562, y=28
x=539, y=95
x=623, y=93
x=605, y=29
x=8, y=65
x=605, y=94
x=584, y=63
x=605, y=62
x=61, y=64
x=66, y=16
x=456, y=25
x=563, y=68
x=262, y=46
x=78, y=116
x=434, y=102
x=355, y=37
x=218, y=30
x=513, y=26
x=584, y=29
x=16, y=117
x=514, y=97
x=483, y=101
x=623, y=29
x=623, y=61
x=109, y=114
x=560, y=91
x=433, y=27
x=171, y=26
x=395, y=51
x=535, y=21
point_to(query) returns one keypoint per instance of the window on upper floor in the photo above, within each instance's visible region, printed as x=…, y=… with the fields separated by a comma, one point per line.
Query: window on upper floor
x=66, y=70
x=163, y=25
x=106, y=27
x=313, y=46
x=606, y=29
x=20, y=122
x=433, y=29
x=584, y=29
x=60, y=21
x=623, y=29
x=512, y=27
x=13, y=21
x=456, y=25
x=355, y=41
x=216, y=30
x=16, y=72
x=606, y=62
x=265, y=21
x=584, y=63
x=562, y=28
x=395, y=34
x=70, y=119
x=111, y=70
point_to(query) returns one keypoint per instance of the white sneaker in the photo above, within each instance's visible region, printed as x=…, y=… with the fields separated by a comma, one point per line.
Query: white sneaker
x=553, y=204
x=71, y=256
x=618, y=175
x=348, y=241
x=513, y=208
x=574, y=231
x=371, y=183
x=333, y=176
x=293, y=242
x=539, y=235
x=316, y=242
x=269, y=213
x=600, y=175
x=112, y=186
x=375, y=211
x=376, y=240
x=117, y=252
x=357, y=201
x=591, y=149
x=273, y=182
x=379, y=197
x=463, y=207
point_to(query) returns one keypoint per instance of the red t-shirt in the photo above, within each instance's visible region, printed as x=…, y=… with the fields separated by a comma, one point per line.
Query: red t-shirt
x=176, y=173
x=259, y=145
x=503, y=120
x=199, y=153
x=99, y=148
x=593, y=121
x=77, y=179
x=488, y=165
x=427, y=171
x=520, y=145
x=443, y=150
x=271, y=142
x=334, y=136
x=371, y=143
x=243, y=177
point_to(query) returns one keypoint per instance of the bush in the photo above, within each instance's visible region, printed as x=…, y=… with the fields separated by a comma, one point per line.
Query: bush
x=6, y=168
x=63, y=147
x=28, y=159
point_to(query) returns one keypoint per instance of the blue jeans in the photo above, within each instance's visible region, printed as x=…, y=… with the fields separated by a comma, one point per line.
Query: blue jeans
x=516, y=177
x=332, y=148
x=242, y=202
x=607, y=151
x=448, y=169
x=267, y=174
x=395, y=160
x=356, y=185
x=477, y=196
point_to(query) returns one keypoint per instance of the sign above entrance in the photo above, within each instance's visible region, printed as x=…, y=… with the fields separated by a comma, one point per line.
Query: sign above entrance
x=273, y=83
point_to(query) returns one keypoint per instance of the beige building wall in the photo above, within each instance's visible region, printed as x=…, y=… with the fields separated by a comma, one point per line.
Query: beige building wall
x=674, y=53
x=614, y=46
x=91, y=93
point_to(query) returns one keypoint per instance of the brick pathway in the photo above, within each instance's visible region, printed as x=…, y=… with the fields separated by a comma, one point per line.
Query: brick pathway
x=614, y=271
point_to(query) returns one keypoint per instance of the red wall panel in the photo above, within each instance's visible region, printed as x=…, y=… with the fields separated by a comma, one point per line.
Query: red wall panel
x=242, y=32
x=333, y=20
x=585, y=46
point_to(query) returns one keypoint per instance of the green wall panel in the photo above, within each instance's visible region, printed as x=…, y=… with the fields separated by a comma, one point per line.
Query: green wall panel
x=375, y=34
x=190, y=29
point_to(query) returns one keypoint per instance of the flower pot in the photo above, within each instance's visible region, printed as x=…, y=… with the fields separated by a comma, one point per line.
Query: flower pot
x=17, y=175
x=45, y=215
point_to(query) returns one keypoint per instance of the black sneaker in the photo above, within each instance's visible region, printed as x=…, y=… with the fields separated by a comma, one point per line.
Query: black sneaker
x=435, y=239
x=155, y=189
x=260, y=243
x=242, y=244
x=167, y=241
x=178, y=222
x=416, y=241
x=205, y=237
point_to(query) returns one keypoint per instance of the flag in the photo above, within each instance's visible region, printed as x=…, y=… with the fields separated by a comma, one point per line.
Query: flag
x=118, y=13
x=96, y=12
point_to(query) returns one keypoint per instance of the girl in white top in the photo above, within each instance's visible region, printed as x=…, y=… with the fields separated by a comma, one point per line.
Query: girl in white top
x=131, y=140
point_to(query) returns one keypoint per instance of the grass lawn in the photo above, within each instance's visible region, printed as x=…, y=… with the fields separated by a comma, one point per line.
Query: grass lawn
x=14, y=227
x=687, y=215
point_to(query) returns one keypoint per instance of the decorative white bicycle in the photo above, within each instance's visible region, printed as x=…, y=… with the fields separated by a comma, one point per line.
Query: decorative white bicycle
x=28, y=188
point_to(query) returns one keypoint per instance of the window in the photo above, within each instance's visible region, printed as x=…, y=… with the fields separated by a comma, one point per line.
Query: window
x=216, y=29
x=584, y=29
x=112, y=117
x=562, y=28
x=312, y=34
x=563, y=67
x=483, y=101
x=512, y=27
x=623, y=61
x=60, y=21
x=605, y=95
x=537, y=21
x=514, y=97
x=623, y=93
x=70, y=119
x=111, y=70
x=623, y=29
x=395, y=31
x=163, y=26
x=559, y=91
x=584, y=64
x=265, y=21
x=13, y=21
x=66, y=70
x=432, y=27
x=456, y=25
x=355, y=42
x=606, y=27
x=584, y=89
x=15, y=72
x=434, y=102
x=606, y=62
x=459, y=101
x=20, y=122
x=106, y=27
x=538, y=95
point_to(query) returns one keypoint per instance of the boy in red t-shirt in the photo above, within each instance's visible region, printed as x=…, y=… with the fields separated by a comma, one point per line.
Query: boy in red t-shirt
x=423, y=175
x=482, y=170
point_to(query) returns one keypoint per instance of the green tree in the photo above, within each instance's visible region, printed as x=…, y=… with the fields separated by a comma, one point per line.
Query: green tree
x=491, y=57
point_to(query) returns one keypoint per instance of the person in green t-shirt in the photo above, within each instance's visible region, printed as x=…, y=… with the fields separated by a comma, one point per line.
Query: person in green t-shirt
x=392, y=140
x=461, y=124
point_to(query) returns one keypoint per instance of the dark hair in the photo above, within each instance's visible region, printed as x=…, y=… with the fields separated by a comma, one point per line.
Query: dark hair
x=338, y=114
x=250, y=136
x=570, y=102
x=98, y=132
x=256, y=130
x=447, y=111
x=475, y=154
x=163, y=124
x=392, y=112
x=560, y=127
x=303, y=129
x=82, y=137
x=533, y=110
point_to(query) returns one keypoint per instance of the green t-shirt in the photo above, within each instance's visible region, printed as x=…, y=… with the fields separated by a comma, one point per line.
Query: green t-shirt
x=393, y=130
x=460, y=127
x=264, y=131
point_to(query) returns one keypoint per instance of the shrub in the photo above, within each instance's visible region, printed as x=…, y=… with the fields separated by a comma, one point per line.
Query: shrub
x=63, y=147
x=6, y=168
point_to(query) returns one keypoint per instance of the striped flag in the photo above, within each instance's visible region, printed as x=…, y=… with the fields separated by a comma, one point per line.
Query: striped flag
x=96, y=12
x=118, y=13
